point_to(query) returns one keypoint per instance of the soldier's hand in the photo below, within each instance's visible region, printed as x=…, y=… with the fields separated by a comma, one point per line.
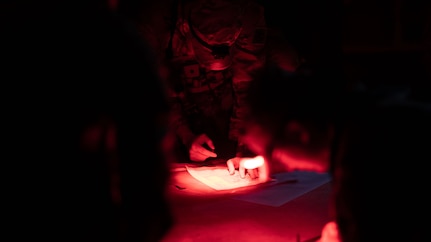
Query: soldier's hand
x=256, y=167
x=197, y=150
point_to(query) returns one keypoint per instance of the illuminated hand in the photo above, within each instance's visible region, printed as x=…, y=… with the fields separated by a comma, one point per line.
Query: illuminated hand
x=256, y=167
x=330, y=233
x=198, y=152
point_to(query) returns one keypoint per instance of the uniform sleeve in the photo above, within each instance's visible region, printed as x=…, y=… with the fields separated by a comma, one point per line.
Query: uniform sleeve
x=178, y=122
x=247, y=57
x=155, y=27
x=257, y=46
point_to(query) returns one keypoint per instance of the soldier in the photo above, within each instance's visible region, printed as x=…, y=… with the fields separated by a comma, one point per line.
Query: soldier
x=209, y=52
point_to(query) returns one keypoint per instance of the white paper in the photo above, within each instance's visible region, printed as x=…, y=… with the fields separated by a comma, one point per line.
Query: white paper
x=219, y=178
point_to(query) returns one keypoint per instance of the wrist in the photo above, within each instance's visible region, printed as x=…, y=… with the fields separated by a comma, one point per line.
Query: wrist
x=186, y=136
x=243, y=151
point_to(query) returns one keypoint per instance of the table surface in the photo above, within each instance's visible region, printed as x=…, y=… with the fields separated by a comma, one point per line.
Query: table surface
x=204, y=214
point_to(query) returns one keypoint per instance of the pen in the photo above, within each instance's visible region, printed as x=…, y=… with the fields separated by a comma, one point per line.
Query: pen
x=290, y=181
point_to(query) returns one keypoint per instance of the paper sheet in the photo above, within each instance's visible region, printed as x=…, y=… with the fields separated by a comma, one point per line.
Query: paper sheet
x=219, y=178
x=280, y=192
x=285, y=186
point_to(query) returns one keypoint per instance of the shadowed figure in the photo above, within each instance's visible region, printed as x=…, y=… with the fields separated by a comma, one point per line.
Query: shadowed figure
x=374, y=144
x=208, y=53
x=85, y=122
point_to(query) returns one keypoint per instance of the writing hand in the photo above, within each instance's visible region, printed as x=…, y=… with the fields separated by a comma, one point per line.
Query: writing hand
x=198, y=152
x=256, y=167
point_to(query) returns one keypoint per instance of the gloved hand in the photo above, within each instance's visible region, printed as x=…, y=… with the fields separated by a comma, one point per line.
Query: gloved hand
x=256, y=167
x=197, y=150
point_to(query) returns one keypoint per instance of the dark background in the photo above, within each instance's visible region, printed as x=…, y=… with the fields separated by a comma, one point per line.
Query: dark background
x=378, y=43
x=384, y=42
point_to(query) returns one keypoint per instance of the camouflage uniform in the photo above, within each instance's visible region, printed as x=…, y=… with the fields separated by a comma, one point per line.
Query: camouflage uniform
x=214, y=49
